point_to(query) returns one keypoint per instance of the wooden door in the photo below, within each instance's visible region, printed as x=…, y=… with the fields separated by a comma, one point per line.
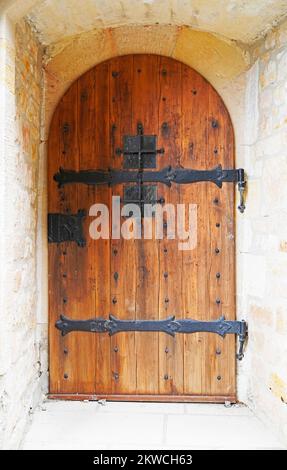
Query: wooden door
x=143, y=279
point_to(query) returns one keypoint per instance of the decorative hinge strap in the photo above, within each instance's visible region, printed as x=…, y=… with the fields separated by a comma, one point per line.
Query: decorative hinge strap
x=169, y=326
x=166, y=176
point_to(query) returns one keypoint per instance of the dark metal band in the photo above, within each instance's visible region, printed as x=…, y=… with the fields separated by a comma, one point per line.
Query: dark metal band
x=166, y=176
x=169, y=326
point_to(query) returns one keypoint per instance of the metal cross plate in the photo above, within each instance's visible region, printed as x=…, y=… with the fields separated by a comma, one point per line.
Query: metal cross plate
x=139, y=151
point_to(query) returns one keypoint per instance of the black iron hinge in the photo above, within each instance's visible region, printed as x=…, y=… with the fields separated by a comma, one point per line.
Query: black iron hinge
x=166, y=176
x=170, y=326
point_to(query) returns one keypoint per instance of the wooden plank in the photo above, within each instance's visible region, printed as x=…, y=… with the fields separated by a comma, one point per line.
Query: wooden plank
x=102, y=160
x=123, y=267
x=149, y=398
x=54, y=261
x=86, y=268
x=194, y=269
x=171, y=349
x=144, y=109
x=64, y=374
x=221, y=211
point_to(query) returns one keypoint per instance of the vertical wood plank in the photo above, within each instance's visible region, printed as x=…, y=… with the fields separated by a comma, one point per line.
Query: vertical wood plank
x=171, y=358
x=123, y=268
x=86, y=268
x=194, y=269
x=65, y=377
x=222, y=271
x=101, y=261
x=145, y=110
x=54, y=261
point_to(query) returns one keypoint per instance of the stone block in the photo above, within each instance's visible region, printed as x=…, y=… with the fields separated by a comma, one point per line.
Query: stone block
x=278, y=386
x=277, y=278
x=266, y=98
x=269, y=146
x=281, y=320
x=268, y=75
x=280, y=95
x=282, y=67
x=261, y=315
x=253, y=198
x=274, y=195
x=282, y=36
x=254, y=275
x=283, y=246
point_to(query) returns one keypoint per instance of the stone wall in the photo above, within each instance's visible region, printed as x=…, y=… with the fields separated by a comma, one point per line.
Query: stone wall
x=20, y=338
x=262, y=240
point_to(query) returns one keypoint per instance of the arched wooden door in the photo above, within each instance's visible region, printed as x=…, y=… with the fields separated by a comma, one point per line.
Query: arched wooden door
x=142, y=279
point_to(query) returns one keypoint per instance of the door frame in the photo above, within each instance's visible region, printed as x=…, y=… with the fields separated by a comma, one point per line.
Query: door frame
x=160, y=398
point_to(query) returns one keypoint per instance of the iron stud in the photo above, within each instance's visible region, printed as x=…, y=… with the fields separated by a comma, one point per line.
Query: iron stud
x=66, y=127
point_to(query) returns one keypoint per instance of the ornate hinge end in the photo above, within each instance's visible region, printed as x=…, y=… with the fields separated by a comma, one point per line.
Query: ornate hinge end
x=62, y=325
x=242, y=338
x=241, y=188
x=58, y=177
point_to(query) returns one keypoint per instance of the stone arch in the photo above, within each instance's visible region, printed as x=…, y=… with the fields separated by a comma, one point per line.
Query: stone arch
x=220, y=61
